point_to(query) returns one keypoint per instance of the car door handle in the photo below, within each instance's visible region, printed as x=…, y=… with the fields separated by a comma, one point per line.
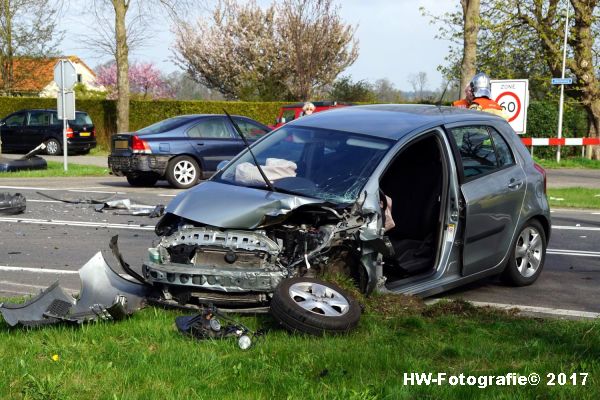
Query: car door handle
x=514, y=184
x=199, y=144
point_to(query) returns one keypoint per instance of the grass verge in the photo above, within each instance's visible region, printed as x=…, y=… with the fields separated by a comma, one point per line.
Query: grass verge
x=576, y=162
x=574, y=197
x=55, y=169
x=145, y=357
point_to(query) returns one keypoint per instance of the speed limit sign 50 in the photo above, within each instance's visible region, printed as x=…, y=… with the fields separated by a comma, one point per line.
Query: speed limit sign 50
x=513, y=97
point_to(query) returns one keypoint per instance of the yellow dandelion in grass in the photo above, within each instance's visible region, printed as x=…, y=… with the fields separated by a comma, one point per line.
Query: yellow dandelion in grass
x=55, y=357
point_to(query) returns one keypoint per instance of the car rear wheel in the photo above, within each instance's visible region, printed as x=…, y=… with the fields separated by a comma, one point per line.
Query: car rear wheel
x=183, y=172
x=53, y=147
x=527, y=255
x=142, y=180
x=316, y=307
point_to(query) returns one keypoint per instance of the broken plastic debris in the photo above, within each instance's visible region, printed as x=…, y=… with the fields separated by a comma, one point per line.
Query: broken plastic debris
x=132, y=209
x=12, y=204
x=104, y=295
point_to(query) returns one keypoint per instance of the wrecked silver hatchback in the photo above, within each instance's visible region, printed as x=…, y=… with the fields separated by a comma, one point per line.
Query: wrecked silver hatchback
x=403, y=199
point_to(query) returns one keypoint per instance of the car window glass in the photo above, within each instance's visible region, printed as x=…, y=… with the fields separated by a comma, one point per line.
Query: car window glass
x=54, y=119
x=15, y=120
x=213, y=128
x=165, y=125
x=503, y=152
x=39, y=118
x=250, y=130
x=81, y=118
x=476, y=150
x=289, y=115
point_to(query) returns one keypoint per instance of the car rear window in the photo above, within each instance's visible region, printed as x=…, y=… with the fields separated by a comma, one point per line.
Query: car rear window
x=164, y=125
x=81, y=118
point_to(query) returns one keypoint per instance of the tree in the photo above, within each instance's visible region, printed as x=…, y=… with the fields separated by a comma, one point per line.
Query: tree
x=146, y=81
x=385, y=92
x=28, y=28
x=418, y=82
x=185, y=88
x=344, y=89
x=116, y=38
x=471, y=29
x=288, y=50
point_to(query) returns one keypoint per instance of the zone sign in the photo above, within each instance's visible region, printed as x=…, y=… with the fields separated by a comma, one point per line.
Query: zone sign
x=513, y=97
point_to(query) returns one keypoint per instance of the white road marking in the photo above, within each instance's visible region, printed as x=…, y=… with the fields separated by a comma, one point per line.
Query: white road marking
x=167, y=195
x=76, y=223
x=6, y=285
x=575, y=228
x=37, y=270
x=543, y=311
x=75, y=190
x=44, y=201
x=579, y=253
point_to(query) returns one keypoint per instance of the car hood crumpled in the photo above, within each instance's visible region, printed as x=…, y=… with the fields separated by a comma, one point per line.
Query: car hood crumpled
x=229, y=206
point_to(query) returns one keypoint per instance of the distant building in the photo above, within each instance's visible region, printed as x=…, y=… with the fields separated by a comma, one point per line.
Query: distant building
x=35, y=76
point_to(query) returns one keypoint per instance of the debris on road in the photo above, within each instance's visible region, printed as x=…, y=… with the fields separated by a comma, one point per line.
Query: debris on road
x=12, y=204
x=132, y=209
x=104, y=295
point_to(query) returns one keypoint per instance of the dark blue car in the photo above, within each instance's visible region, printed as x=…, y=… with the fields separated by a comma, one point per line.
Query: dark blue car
x=181, y=149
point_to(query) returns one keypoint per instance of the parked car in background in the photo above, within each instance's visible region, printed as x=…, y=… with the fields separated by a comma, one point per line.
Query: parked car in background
x=181, y=149
x=402, y=198
x=291, y=112
x=24, y=130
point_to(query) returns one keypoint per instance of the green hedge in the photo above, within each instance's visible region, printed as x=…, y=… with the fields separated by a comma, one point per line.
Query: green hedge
x=542, y=117
x=542, y=121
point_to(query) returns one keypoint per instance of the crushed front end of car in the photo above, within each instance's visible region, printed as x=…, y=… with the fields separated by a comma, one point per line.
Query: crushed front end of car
x=236, y=257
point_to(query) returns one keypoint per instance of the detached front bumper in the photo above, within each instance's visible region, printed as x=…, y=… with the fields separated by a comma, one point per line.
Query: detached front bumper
x=122, y=165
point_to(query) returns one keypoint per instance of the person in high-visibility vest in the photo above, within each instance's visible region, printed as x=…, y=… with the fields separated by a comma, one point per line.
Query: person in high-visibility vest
x=477, y=97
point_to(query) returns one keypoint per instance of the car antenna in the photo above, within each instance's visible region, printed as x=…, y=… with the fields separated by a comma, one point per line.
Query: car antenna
x=439, y=102
x=239, y=131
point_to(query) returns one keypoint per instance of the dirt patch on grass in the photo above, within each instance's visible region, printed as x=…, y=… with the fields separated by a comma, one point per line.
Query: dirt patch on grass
x=464, y=308
x=393, y=305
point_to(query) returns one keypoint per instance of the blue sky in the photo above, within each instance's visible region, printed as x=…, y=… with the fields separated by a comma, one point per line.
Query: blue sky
x=395, y=40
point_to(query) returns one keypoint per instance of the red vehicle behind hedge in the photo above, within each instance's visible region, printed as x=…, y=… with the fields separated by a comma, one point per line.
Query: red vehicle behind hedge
x=290, y=112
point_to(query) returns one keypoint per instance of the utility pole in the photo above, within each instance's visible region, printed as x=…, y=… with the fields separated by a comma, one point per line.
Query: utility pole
x=562, y=86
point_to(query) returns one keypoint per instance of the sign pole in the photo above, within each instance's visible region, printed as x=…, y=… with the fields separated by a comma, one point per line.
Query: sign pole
x=62, y=93
x=562, y=86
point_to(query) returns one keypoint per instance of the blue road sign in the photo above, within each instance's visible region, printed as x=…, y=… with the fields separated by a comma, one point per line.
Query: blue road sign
x=562, y=81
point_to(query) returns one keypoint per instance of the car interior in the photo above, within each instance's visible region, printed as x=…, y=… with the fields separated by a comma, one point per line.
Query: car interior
x=414, y=183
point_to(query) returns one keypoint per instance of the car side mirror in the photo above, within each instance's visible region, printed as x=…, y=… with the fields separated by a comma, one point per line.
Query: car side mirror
x=222, y=164
x=2, y=123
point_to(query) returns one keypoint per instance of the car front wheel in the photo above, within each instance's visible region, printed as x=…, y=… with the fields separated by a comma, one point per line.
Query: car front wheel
x=52, y=147
x=527, y=255
x=316, y=307
x=183, y=172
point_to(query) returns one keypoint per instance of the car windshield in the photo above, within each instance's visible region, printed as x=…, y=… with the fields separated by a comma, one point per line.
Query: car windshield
x=329, y=165
x=164, y=125
x=81, y=118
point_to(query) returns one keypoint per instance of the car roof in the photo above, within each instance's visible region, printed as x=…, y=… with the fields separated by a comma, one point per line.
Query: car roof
x=390, y=121
x=319, y=104
x=43, y=109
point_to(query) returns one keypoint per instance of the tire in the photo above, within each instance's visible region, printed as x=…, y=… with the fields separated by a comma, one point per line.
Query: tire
x=53, y=147
x=142, y=180
x=183, y=172
x=527, y=255
x=331, y=311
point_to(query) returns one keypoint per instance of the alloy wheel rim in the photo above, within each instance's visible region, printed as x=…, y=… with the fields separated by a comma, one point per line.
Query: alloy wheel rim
x=528, y=252
x=184, y=172
x=319, y=299
x=52, y=147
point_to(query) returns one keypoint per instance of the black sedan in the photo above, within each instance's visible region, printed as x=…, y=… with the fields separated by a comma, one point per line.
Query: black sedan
x=181, y=149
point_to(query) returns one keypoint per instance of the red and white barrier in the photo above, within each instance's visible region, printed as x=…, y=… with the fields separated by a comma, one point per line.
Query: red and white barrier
x=560, y=142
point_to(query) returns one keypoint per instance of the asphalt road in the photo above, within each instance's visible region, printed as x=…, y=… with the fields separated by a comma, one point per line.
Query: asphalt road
x=52, y=240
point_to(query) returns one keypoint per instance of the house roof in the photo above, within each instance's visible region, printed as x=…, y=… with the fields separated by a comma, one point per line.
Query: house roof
x=34, y=74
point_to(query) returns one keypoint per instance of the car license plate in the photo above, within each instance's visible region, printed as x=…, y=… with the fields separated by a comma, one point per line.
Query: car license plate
x=84, y=133
x=121, y=144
